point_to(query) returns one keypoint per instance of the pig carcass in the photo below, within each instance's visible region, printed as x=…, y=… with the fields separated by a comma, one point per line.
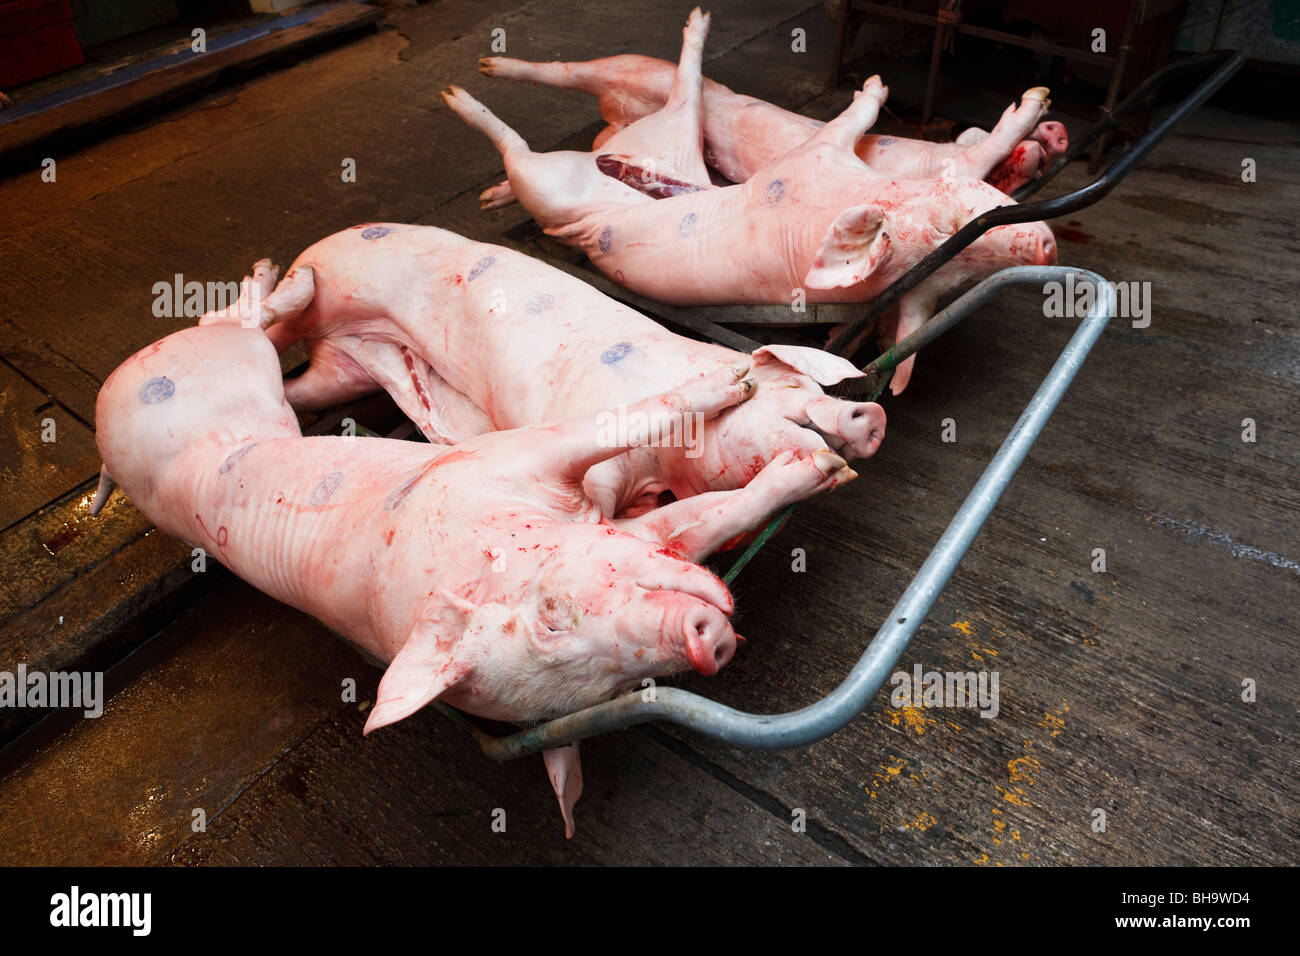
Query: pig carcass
x=816, y=224
x=470, y=337
x=479, y=572
x=743, y=134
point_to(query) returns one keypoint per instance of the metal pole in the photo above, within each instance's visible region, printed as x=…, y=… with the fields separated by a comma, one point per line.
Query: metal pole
x=801, y=727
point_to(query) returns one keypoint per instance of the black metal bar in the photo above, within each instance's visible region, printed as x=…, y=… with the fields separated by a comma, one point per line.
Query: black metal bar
x=1229, y=62
x=1035, y=212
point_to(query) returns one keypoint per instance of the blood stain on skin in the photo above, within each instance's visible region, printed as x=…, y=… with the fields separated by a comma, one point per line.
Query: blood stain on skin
x=643, y=179
x=222, y=536
x=415, y=379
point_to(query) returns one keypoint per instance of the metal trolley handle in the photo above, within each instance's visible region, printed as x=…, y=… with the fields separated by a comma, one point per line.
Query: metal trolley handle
x=831, y=713
x=1230, y=61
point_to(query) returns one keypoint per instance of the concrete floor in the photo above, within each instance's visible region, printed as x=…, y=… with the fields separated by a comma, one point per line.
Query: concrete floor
x=1120, y=690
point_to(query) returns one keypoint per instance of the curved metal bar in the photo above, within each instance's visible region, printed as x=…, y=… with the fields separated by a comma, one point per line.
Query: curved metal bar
x=1033, y=212
x=801, y=727
x=877, y=372
x=1229, y=62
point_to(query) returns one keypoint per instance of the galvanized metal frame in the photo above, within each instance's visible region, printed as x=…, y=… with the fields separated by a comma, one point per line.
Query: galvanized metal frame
x=802, y=727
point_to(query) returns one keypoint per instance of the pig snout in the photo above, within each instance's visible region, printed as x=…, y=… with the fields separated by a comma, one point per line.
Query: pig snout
x=710, y=642
x=1053, y=136
x=1042, y=244
x=1047, y=252
x=1033, y=244
x=860, y=426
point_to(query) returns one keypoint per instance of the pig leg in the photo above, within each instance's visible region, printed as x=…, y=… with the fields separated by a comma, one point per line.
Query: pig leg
x=572, y=447
x=626, y=87
x=698, y=526
x=500, y=195
x=1015, y=125
x=673, y=137
x=262, y=303
x=564, y=769
x=333, y=377
x=555, y=187
x=348, y=367
x=846, y=129
x=495, y=197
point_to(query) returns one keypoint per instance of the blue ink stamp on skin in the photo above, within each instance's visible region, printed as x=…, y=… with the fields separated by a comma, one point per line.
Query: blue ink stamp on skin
x=480, y=267
x=616, y=352
x=157, y=390
x=375, y=232
x=328, y=485
x=233, y=458
x=606, y=239
x=539, y=303
x=687, y=225
x=775, y=192
x=886, y=141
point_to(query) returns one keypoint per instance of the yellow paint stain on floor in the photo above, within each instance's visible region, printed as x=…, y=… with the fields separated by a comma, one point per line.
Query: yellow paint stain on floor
x=1054, y=720
x=923, y=822
x=1013, y=796
x=963, y=626
x=912, y=718
x=892, y=769
x=1022, y=770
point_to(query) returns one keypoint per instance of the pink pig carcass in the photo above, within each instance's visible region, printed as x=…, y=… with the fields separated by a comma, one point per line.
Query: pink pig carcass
x=469, y=337
x=743, y=134
x=479, y=572
x=816, y=224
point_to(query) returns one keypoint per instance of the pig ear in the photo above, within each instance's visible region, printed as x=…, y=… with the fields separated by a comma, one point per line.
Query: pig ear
x=822, y=367
x=423, y=670
x=564, y=768
x=852, y=249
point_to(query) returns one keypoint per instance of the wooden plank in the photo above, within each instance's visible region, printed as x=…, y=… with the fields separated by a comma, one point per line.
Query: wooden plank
x=35, y=469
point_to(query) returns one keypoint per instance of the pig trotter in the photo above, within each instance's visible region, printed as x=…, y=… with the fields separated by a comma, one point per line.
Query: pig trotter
x=496, y=197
